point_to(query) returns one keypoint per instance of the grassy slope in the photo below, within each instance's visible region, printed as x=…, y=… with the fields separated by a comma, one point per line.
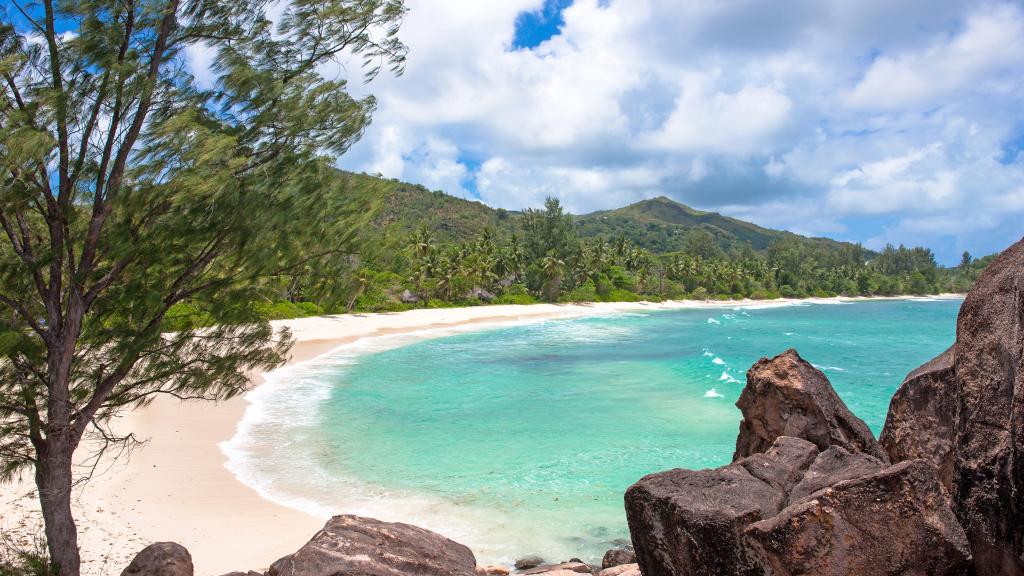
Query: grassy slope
x=659, y=224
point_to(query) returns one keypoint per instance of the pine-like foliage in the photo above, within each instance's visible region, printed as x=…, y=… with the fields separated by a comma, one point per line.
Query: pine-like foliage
x=131, y=195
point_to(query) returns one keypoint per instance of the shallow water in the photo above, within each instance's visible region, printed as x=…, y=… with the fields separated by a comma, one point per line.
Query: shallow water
x=522, y=439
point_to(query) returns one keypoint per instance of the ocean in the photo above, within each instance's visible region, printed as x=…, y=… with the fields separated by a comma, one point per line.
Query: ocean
x=521, y=438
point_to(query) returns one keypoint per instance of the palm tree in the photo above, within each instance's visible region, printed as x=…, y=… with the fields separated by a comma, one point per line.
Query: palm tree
x=422, y=243
x=621, y=246
x=447, y=275
x=600, y=254
x=516, y=258
x=551, y=270
x=485, y=243
x=422, y=248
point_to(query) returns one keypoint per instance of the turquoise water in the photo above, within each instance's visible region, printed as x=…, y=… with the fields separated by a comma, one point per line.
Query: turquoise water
x=522, y=439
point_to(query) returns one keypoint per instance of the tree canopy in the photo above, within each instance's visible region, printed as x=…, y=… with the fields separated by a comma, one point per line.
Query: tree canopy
x=133, y=196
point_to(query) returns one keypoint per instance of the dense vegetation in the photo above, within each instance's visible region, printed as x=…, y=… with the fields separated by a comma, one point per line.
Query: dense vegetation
x=436, y=250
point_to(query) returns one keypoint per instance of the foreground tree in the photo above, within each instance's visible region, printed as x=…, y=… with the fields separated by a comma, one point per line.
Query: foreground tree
x=131, y=196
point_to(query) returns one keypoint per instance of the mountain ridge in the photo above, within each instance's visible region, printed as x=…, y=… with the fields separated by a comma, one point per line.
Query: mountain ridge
x=660, y=224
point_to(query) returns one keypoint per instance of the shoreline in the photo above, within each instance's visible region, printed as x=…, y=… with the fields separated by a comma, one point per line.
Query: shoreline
x=177, y=486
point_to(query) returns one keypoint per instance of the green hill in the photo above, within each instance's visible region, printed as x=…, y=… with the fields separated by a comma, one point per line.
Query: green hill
x=660, y=224
x=407, y=207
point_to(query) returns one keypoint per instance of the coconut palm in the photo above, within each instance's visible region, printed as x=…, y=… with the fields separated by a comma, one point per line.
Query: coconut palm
x=551, y=271
x=621, y=247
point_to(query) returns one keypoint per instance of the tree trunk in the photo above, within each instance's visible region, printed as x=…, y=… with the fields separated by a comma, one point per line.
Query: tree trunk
x=53, y=478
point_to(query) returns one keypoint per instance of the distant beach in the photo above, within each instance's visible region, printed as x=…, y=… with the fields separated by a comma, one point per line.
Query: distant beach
x=177, y=488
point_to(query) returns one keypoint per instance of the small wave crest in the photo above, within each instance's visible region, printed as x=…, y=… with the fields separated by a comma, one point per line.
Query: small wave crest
x=726, y=377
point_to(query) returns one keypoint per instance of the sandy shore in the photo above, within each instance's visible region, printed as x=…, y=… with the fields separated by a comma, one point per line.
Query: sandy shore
x=176, y=488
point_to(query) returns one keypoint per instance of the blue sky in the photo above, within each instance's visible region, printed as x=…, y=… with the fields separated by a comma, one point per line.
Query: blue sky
x=536, y=26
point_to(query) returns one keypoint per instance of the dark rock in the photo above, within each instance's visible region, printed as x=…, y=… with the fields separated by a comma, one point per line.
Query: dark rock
x=249, y=573
x=161, y=559
x=691, y=522
x=356, y=546
x=988, y=468
x=787, y=396
x=618, y=557
x=832, y=466
x=408, y=297
x=895, y=521
x=922, y=414
x=527, y=562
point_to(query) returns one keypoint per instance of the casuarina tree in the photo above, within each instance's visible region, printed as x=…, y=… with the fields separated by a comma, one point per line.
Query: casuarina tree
x=138, y=189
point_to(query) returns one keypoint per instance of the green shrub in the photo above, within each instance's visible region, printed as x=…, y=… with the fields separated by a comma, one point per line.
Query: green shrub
x=621, y=279
x=765, y=295
x=507, y=298
x=788, y=291
x=379, y=292
x=435, y=303
x=701, y=293
x=517, y=289
x=585, y=292
x=286, y=310
x=620, y=295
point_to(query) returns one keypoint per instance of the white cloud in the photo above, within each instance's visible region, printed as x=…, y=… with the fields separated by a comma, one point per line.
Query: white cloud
x=991, y=42
x=878, y=121
x=715, y=121
x=916, y=180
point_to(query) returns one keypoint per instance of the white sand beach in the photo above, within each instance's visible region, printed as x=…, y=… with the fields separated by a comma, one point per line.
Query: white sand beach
x=176, y=487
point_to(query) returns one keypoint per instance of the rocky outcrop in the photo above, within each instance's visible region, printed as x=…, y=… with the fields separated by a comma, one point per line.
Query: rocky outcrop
x=922, y=415
x=356, y=546
x=527, y=562
x=621, y=570
x=988, y=441
x=161, y=559
x=692, y=522
x=894, y=521
x=618, y=557
x=409, y=297
x=571, y=567
x=787, y=396
x=832, y=466
x=964, y=411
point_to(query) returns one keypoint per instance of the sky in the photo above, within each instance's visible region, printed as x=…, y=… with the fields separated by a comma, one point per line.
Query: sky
x=871, y=121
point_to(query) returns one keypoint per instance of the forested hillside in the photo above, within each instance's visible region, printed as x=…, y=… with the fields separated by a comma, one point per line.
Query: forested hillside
x=660, y=225
x=428, y=248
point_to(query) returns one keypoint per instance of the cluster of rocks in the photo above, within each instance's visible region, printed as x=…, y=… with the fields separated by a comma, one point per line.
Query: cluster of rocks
x=357, y=546
x=810, y=490
x=477, y=293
